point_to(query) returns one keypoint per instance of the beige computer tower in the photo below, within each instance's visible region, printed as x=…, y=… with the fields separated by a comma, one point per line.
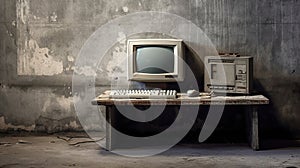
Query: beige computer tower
x=228, y=74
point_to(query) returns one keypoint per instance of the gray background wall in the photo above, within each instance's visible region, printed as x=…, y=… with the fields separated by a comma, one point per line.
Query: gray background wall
x=40, y=40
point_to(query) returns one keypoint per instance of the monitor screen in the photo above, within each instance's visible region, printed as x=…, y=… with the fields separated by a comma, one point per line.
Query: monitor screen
x=155, y=59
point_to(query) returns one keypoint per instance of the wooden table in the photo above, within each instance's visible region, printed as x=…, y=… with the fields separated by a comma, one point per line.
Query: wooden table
x=253, y=102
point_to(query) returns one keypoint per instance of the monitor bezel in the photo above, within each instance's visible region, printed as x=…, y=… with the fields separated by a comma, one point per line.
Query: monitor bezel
x=177, y=75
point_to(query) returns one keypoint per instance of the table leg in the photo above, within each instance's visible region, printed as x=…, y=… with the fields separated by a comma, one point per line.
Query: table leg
x=253, y=128
x=109, y=121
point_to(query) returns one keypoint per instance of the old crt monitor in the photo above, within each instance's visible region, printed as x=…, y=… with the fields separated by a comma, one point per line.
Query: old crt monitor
x=155, y=60
x=228, y=74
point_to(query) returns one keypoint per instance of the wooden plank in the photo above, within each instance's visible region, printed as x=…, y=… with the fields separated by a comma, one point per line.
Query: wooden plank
x=109, y=121
x=103, y=99
x=252, y=127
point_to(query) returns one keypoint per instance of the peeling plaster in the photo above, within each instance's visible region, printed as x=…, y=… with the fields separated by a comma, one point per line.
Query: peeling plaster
x=38, y=61
x=117, y=63
x=53, y=17
x=14, y=23
x=33, y=60
x=125, y=9
x=57, y=108
x=36, y=17
x=9, y=33
x=6, y=126
x=23, y=10
x=70, y=59
x=70, y=68
x=70, y=65
x=86, y=71
x=72, y=124
x=57, y=115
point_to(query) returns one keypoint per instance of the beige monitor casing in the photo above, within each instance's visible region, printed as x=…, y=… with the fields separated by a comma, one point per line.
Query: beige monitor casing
x=177, y=75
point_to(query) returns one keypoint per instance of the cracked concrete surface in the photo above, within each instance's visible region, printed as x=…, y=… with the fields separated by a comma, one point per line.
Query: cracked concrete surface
x=50, y=151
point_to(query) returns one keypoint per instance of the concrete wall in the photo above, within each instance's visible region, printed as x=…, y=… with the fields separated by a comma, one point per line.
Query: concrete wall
x=40, y=40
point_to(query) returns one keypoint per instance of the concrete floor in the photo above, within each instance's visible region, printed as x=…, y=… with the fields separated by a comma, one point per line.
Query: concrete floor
x=56, y=151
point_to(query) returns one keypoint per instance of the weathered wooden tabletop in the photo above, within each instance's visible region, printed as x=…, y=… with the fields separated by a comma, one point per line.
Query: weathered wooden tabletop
x=183, y=99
